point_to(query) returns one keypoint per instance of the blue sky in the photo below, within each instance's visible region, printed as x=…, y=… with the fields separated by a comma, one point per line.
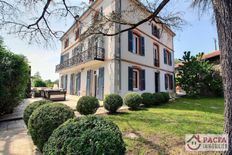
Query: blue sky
x=196, y=36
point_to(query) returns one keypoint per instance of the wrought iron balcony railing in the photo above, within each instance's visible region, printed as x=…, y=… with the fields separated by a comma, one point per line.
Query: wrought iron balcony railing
x=94, y=53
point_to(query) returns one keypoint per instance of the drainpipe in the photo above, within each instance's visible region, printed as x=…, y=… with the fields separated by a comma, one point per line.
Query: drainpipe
x=119, y=40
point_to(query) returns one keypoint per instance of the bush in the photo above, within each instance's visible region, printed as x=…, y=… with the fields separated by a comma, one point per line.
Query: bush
x=165, y=96
x=133, y=100
x=113, y=102
x=31, y=107
x=39, y=83
x=87, y=135
x=45, y=119
x=158, y=98
x=87, y=105
x=147, y=99
x=14, y=77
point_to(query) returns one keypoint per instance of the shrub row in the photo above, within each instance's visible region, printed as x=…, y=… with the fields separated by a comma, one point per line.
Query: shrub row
x=54, y=131
x=89, y=105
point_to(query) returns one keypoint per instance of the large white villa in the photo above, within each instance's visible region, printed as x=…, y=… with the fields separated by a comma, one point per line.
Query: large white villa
x=140, y=60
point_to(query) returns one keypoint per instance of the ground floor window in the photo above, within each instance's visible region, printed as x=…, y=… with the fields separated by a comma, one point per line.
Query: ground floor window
x=136, y=79
x=169, y=81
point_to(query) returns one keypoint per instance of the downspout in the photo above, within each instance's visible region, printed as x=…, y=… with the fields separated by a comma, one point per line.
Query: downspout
x=119, y=40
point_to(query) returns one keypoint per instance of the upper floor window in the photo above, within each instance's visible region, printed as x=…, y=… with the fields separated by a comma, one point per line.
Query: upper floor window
x=169, y=82
x=156, y=55
x=64, y=58
x=167, y=57
x=155, y=31
x=136, y=43
x=77, y=33
x=66, y=43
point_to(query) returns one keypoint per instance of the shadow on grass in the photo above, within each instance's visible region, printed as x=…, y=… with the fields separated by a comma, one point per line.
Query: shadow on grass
x=149, y=143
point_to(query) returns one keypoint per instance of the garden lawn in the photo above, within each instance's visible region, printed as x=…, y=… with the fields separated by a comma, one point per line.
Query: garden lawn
x=162, y=129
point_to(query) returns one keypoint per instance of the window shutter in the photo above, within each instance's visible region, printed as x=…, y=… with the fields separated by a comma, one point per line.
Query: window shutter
x=152, y=29
x=142, y=46
x=165, y=56
x=166, y=81
x=170, y=58
x=130, y=78
x=142, y=80
x=171, y=82
x=130, y=41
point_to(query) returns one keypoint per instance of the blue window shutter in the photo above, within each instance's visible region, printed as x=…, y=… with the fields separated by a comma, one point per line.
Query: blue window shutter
x=130, y=41
x=170, y=60
x=100, y=89
x=171, y=81
x=152, y=29
x=165, y=56
x=166, y=81
x=142, y=46
x=130, y=78
x=88, y=83
x=142, y=80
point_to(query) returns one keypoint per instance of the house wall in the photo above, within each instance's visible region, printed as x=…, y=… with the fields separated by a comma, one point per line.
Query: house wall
x=116, y=67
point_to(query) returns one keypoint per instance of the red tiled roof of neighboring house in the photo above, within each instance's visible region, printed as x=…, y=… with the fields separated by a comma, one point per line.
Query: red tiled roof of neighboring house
x=179, y=65
x=211, y=55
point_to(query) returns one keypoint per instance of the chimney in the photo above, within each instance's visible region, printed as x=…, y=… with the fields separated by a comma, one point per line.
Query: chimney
x=91, y=1
x=77, y=17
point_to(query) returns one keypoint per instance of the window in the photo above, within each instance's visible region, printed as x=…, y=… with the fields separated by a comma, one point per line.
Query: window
x=136, y=43
x=155, y=31
x=64, y=58
x=167, y=57
x=66, y=43
x=77, y=34
x=156, y=55
x=168, y=82
x=136, y=79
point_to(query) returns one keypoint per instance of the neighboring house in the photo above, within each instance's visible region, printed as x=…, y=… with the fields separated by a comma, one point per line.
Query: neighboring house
x=141, y=60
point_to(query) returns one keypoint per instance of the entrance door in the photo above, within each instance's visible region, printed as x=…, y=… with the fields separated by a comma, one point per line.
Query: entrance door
x=157, y=82
x=100, y=95
x=78, y=84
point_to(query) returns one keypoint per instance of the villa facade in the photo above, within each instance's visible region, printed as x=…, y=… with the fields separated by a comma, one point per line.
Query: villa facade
x=140, y=60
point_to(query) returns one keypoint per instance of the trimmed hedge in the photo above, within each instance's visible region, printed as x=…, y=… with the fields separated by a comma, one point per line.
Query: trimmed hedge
x=161, y=97
x=87, y=105
x=133, y=100
x=113, y=102
x=165, y=96
x=147, y=99
x=45, y=119
x=31, y=107
x=14, y=79
x=86, y=135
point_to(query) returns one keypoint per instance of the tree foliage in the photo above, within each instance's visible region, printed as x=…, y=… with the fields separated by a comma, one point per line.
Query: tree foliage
x=198, y=77
x=14, y=77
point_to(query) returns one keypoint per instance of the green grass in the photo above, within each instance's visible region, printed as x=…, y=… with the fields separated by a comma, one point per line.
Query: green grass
x=161, y=129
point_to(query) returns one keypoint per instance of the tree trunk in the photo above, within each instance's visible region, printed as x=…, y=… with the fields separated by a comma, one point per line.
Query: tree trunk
x=223, y=14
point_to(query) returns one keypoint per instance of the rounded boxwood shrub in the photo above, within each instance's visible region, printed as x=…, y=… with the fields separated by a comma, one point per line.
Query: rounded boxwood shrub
x=87, y=105
x=31, y=107
x=165, y=96
x=45, y=119
x=86, y=135
x=133, y=100
x=147, y=99
x=113, y=102
x=158, y=98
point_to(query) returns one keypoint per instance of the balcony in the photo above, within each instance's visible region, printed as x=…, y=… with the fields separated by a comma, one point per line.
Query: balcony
x=94, y=53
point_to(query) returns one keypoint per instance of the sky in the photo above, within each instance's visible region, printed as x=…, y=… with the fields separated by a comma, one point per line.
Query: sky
x=197, y=35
